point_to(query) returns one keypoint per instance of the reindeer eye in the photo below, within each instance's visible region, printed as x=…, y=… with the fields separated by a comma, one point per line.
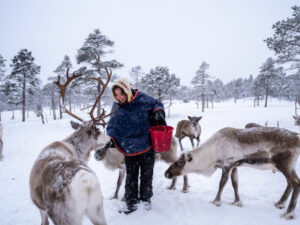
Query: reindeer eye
x=180, y=162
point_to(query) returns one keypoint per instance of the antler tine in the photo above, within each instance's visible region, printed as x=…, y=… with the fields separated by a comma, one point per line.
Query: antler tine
x=62, y=89
x=104, y=85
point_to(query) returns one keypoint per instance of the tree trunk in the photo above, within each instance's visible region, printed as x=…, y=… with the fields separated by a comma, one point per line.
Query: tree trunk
x=60, y=111
x=266, y=100
x=203, y=101
x=23, y=99
x=212, y=101
x=42, y=115
x=70, y=104
x=0, y=116
x=99, y=103
x=13, y=115
x=53, y=106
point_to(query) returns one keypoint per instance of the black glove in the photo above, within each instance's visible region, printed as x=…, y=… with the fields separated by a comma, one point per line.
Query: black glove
x=159, y=117
x=100, y=152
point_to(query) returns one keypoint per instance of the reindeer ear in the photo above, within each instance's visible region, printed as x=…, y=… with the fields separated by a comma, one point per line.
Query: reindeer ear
x=75, y=125
x=199, y=118
x=190, y=118
x=189, y=157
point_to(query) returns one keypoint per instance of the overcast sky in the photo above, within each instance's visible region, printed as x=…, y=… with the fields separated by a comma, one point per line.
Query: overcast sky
x=180, y=34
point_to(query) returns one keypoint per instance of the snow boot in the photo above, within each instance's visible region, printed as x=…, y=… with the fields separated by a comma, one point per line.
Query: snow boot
x=147, y=204
x=128, y=209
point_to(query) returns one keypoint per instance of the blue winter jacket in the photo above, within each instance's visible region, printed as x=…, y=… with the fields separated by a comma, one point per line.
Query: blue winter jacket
x=129, y=124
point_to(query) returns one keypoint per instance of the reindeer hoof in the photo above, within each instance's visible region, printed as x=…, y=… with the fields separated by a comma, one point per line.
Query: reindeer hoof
x=172, y=188
x=237, y=203
x=217, y=203
x=288, y=216
x=185, y=190
x=279, y=205
x=114, y=197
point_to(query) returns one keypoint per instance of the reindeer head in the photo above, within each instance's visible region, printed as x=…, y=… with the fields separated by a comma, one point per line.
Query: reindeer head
x=194, y=120
x=177, y=168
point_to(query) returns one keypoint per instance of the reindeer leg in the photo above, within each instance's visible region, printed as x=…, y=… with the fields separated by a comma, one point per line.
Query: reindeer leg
x=192, y=141
x=198, y=141
x=294, y=180
x=44, y=216
x=186, y=186
x=235, y=185
x=172, y=186
x=281, y=203
x=180, y=143
x=119, y=182
x=224, y=178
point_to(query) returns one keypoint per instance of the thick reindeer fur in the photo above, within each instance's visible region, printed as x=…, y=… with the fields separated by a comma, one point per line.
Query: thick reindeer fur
x=189, y=128
x=113, y=159
x=62, y=186
x=258, y=146
x=1, y=142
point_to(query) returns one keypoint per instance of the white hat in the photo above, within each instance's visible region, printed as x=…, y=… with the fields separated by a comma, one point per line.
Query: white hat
x=124, y=84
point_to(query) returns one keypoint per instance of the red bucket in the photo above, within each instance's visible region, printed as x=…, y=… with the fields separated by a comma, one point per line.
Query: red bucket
x=161, y=137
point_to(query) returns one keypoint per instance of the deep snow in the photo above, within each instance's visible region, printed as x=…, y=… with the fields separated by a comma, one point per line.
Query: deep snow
x=258, y=189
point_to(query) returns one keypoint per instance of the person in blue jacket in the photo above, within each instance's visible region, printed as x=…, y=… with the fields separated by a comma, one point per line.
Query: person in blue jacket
x=128, y=127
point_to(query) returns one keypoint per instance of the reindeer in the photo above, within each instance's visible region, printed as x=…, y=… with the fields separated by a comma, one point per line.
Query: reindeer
x=62, y=186
x=1, y=142
x=259, y=147
x=189, y=128
x=113, y=159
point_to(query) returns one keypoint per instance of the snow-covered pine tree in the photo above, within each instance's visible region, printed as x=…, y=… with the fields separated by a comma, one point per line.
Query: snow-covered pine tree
x=199, y=82
x=2, y=77
x=158, y=82
x=22, y=77
x=285, y=40
x=91, y=53
x=137, y=74
x=268, y=78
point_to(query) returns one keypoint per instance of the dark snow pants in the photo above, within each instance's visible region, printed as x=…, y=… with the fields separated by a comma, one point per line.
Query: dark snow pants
x=142, y=164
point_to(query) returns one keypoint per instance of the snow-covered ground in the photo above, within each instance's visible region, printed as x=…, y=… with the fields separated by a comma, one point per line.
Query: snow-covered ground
x=258, y=189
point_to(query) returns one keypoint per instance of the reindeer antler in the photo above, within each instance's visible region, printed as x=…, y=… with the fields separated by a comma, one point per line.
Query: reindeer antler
x=102, y=115
x=62, y=88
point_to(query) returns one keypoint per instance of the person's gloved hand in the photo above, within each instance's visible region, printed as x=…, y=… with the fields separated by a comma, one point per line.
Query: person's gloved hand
x=101, y=152
x=159, y=117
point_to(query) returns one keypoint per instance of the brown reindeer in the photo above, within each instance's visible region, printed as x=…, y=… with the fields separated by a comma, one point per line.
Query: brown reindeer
x=62, y=186
x=1, y=142
x=259, y=147
x=189, y=128
x=113, y=159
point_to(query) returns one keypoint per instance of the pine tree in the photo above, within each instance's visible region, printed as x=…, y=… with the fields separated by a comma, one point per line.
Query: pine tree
x=2, y=77
x=200, y=82
x=285, y=41
x=22, y=79
x=92, y=53
x=268, y=78
x=136, y=73
x=158, y=83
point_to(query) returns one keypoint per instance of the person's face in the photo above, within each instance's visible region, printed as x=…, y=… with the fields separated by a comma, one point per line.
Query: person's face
x=122, y=98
